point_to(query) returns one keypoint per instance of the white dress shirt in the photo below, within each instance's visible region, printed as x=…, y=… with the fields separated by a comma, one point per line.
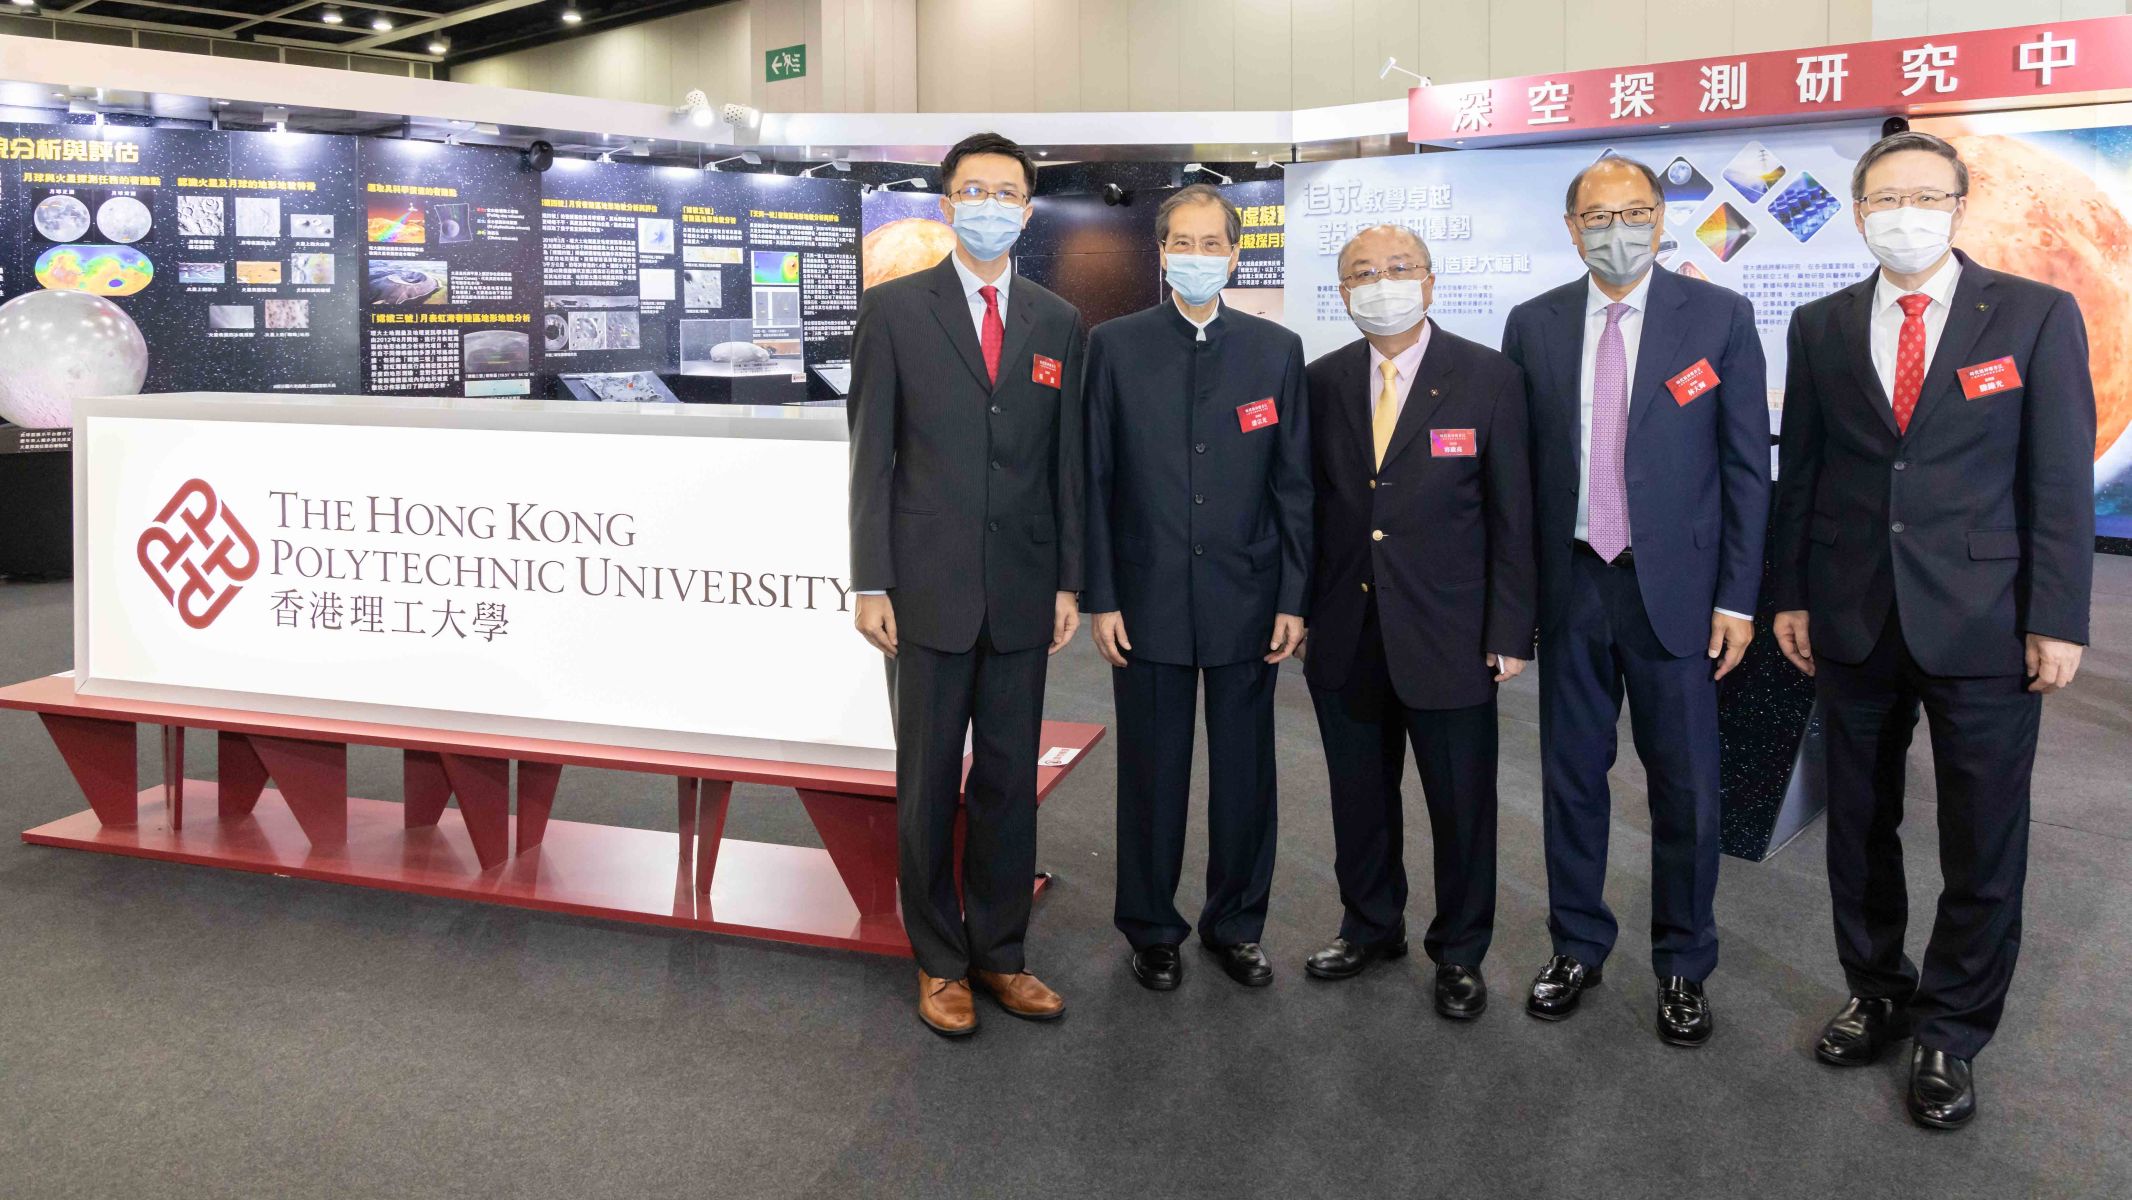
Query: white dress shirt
x=970, y=285
x=1405, y=365
x=1631, y=326
x=1201, y=326
x=1885, y=332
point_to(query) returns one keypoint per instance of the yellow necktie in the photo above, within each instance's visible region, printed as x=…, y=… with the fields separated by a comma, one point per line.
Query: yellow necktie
x=1387, y=412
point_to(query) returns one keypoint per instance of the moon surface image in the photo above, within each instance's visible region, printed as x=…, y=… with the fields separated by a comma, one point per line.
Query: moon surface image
x=124, y=219
x=62, y=218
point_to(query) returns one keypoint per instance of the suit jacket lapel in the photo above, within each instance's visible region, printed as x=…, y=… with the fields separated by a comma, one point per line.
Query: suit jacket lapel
x=1569, y=355
x=1663, y=328
x=1968, y=313
x=1432, y=381
x=952, y=308
x=1858, y=350
x=1021, y=318
x=1355, y=414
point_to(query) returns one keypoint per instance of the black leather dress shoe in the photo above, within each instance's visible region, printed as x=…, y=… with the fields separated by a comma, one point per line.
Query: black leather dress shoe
x=1345, y=960
x=1559, y=986
x=1158, y=968
x=1461, y=994
x=1856, y=1036
x=1683, y=1012
x=1244, y=962
x=1943, y=1092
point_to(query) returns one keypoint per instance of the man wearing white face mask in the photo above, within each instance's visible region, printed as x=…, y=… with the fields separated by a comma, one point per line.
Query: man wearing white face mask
x=1650, y=430
x=1421, y=604
x=1932, y=548
x=1199, y=549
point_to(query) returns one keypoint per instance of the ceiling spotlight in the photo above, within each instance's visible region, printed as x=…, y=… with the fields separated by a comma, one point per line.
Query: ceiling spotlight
x=440, y=45
x=1392, y=64
x=915, y=181
x=747, y=156
x=381, y=23
x=332, y=15
x=1191, y=167
x=842, y=166
x=570, y=14
x=25, y=3
x=740, y=116
x=696, y=106
x=606, y=156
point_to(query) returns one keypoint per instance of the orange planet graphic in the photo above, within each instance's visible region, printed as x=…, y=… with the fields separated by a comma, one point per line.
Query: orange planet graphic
x=2033, y=213
x=905, y=247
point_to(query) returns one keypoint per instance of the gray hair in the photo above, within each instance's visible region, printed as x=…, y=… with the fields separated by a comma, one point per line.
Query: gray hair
x=1198, y=193
x=1427, y=259
x=1576, y=183
x=1897, y=143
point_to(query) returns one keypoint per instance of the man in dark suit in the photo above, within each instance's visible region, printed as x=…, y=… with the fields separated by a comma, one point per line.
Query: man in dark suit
x=1199, y=526
x=966, y=544
x=1650, y=429
x=1421, y=603
x=1933, y=545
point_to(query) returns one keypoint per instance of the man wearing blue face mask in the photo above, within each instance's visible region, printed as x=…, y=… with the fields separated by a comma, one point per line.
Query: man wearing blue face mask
x=1199, y=551
x=1650, y=432
x=966, y=546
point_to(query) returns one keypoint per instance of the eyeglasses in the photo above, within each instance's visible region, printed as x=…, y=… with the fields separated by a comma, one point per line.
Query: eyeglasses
x=1889, y=201
x=977, y=193
x=1600, y=218
x=1210, y=244
x=1397, y=271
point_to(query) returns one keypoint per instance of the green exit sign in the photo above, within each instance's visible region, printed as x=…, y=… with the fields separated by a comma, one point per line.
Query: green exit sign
x=789, y=62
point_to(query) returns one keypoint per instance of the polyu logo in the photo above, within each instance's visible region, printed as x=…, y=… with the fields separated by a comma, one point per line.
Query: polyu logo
x=197, y=552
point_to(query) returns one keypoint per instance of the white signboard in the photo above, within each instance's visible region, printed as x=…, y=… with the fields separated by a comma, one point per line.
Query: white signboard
x=657, y=576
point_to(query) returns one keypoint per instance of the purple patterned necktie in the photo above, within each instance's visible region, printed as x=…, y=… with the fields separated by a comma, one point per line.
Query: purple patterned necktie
x=1608, y=521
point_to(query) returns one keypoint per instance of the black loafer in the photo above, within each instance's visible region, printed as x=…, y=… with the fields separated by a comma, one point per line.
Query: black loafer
x=1158, y=968
x=1683, y=1012
x=1244, y=962
x=1856, y=1036
x=1943, y=1089
x=1559, y=986
x=1345, y=960
x=1461, y=994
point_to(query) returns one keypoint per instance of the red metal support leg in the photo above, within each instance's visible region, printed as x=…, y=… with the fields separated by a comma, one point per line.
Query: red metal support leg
x=860, y=834
x=239, y=776
x=483, y=786
x=101, y=756
x=536, y=798
x=717, y=798
x=313, y=778
x=174, y=774
x=424, y=788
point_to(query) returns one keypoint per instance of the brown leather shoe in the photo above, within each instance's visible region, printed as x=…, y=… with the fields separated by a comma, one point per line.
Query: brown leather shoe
x=1023, y=995
x=945, y=1006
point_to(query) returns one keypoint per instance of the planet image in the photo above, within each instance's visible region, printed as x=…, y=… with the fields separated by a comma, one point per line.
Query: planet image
x=905, y=247
x=62, y=218
x=2034, y=213
x=554, y=332
x=123, y=219
x=495, y=352
x=56, y=347
x=98, y=270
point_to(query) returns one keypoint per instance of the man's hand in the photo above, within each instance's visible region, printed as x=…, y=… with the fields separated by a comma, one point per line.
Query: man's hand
x=876, y=621
x=1108, y=630
x=1506, y=667
x=2052, y=663
x=1065, y=618
x=1729, y=636
x=1790, y=627
x=1287, y=635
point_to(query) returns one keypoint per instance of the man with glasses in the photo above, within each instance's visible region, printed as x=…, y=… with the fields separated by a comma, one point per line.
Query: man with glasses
x=1932, y=547
x=1650, y=429
x=1421, y=604
x=1199, y=548
x=966, y=542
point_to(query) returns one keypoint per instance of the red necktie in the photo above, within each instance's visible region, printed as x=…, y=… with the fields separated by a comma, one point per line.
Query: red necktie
x=996, y=332
x=1909, y=359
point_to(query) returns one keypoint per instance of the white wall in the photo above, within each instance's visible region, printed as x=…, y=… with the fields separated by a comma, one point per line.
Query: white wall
x=655, y=62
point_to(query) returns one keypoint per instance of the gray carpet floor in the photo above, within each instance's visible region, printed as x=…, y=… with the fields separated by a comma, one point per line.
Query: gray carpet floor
x=174, y=1031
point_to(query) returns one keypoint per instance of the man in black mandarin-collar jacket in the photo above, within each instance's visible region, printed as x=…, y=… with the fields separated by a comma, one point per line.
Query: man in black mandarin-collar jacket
x=1421, y=601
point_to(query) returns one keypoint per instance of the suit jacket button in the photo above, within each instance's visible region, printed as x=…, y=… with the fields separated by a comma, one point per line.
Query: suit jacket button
x=1198, y=498
x=1199, y=447
x=1896, y=528
x=996, y=410
x=1373, y=485
x=1902, y=464
x=1376, y=535
x=995, y=464
x=992, y=525
x=1199, y=549
x=1365, y=587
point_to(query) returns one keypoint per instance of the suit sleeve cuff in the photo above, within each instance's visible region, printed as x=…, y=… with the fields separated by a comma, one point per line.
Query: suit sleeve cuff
x=1738, y=616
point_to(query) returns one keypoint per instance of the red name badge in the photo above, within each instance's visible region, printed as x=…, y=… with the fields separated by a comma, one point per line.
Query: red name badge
x=1045, y=371
x=1984, y=379
x=1451, y=443
x=1692, y=382
x=1257, y=415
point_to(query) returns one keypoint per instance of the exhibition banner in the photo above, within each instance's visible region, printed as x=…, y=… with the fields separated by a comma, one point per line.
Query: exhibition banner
x=534, y=568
